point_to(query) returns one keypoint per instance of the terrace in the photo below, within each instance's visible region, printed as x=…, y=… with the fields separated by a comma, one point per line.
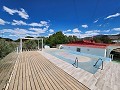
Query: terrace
x=38, y=70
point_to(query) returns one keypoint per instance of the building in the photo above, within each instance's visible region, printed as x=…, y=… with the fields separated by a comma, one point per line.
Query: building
x=88, y=47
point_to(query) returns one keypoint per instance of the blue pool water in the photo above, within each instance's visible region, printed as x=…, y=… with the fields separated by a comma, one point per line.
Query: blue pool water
x=69, y=56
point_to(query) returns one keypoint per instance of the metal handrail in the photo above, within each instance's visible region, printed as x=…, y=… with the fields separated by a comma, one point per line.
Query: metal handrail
x=97, y=62
x=76, y=62
x=111, y=56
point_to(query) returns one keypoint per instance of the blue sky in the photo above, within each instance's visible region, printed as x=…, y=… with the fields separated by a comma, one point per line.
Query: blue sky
x=83, y=18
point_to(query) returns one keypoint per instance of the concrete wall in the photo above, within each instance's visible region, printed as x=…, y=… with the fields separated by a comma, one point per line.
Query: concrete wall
x=88, y=50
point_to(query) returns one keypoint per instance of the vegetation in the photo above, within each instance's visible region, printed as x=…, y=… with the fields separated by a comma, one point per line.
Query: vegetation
x=30, y=44
x=6, y=47
x=59, y=38
x=102, y=39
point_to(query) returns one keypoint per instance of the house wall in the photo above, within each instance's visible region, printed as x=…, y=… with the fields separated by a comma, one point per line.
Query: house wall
x=87, y=50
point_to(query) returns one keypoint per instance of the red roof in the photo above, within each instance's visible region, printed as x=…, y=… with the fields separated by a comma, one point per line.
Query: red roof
x=88, y=44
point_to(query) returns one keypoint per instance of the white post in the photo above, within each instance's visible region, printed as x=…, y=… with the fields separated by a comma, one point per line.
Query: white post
x=105, y=53
x=42, y=43
x=21, y=45
x=38, y=44
x=17, y=49
x=112, y=56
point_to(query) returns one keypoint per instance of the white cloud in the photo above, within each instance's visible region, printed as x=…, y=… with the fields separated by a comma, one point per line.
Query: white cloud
x=49, y=35
x=41, y=24
x=92, y=31
x=76, y=30
x=22, y=13
x=51, y=30
x=85, y=26
x=10, y=11
x=18, y=32
x=116, y=29
x=15, y=31
x=45, y=28
x=44, y=23
x=112, y=16
x=36, y=24
x=89, y=33
x=2, y=22
x=13, y=35
x=67, y=31
x=106, y=31
x=39, y=30
x=95, y=21
x=16, y=22
x=86, y=34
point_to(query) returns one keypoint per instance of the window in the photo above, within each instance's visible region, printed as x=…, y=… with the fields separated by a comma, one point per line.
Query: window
x=78, y=49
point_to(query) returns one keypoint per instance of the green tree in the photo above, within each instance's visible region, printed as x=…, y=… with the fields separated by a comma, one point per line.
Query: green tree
x=105, y=39
x=56, y=38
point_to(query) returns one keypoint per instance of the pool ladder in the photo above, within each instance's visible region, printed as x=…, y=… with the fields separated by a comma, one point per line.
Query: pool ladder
x=97, y=62
x=75, y=64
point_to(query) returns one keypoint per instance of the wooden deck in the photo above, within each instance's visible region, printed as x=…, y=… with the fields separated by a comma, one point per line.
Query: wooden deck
x=32, y=71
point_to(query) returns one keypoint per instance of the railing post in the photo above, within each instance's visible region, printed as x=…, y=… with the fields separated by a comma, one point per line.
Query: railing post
x=102, y=65
x=77, y=62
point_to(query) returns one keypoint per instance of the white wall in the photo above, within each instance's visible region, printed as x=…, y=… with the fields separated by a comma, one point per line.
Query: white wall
x=88, y=50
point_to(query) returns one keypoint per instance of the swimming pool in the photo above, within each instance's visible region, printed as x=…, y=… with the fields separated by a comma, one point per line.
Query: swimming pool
x=85, y=61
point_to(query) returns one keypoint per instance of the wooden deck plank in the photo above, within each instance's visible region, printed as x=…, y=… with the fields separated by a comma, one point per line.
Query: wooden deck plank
x=54, y=81
x=24, y=74
x=15, y=86
x=34, y=76
x=31, y=77
x=47, y=79
x=41, y=86
x=27, y=76
x=24, y=77
x=14, y=75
